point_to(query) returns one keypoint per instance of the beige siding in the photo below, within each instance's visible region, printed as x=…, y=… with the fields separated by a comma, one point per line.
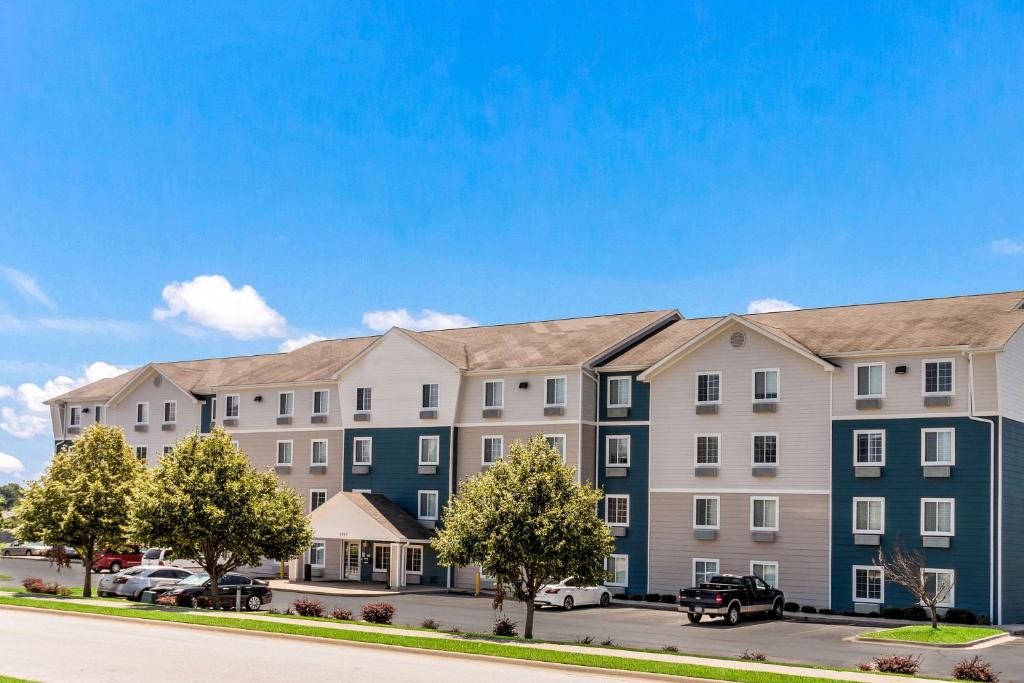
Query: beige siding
x=153, y=389
x=1011, y=378
x=588, y=454
x=801, y=546
x=332, y=559
x=521, y=405
x=262, y=414
x=904, y=394
x=986, y=384
x=262, y=451
x=589, y=397
x=470, y=443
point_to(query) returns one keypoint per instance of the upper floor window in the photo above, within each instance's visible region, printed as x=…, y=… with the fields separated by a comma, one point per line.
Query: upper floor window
x=430, y=448
x=869, y=515
x=317, y=497
x=709, y=387
x=75, y=418
x=285, y=403
x=704, y=571
x=705, y=512
x=554, y=391
x=364, y=399
x=430, y=396
x=938, y=517
x=141, y=413
x=938, y=376
x=869, y=447
x=318, y=452
x=764, y=513
x=231, y=402
x=765, y=449
x=170, y=411
x=97, y=415
x=616, y=510
x=557, y=441
x=617, y=451
x=707, y=449
x=142, y=453
x=427, y=508
x=619, y=392
x=938, y=446
x=494, y=393
x=766, y=385
x=284, y=452
x=321, y=401
x=493, y=447
x=362, y=450
x=870, y=380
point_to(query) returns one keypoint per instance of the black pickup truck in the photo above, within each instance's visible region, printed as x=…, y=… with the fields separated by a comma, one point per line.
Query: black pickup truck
x=731, y=596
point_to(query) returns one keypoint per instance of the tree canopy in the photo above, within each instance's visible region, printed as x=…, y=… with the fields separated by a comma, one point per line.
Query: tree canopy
x=10, y=494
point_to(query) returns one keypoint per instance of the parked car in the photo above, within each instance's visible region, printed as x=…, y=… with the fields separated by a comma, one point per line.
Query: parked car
x=730, y=596
x=131, y=583
x=568, y=594
x=194, y=591
x=116, y=560
x=30, y=549
x=164, y=557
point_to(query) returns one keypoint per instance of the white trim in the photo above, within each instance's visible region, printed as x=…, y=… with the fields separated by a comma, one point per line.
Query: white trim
x=565, y=444
x=355, y=449
x=691, y=489
x=137, y=420
x=163, y=416
x=540, y=424
x=290, y=413
x=437, y=451
x=323, y=547
x=327, y=402
x=775, y=563
x=361, y=491
x=166, y=448
x=227, y=406
x=778, y=513
x=312, y=451
x=868, y=432
x=364, y=410
x=373, y=558
x=880, y=532
x=952, y=446
x=419, y=504
x=565, y=392
x=619, y=423
x=899, y=416
x=629, y=449
x=718, y=512
x=950, y=600
x=778, y=385
x=419, y=547
x=483, y=448
x=291, y=452
x=311, y=492
x=98, y=413
x=135, y=450
x=617, y=496
x=133, y=384
x=76, y=410
x=696, y=449
x=289, y=429
x=611, y=581
x=952, y=376
x=907, y=351
x=483, y=396
x=378, y=341
x=778, y=448
x=696, y=387
x=856, y=374
x=629, y=391
x=693, y=568
x=853, y=586
x=952, y=516
x=437, y=397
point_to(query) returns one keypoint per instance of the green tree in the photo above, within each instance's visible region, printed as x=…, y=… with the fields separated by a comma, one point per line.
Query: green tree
x=527, y=523
x=83, y=500
x=10, y=494
x=208, y=503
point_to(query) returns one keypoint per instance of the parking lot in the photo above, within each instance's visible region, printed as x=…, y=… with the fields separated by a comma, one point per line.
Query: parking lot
x=785, y=641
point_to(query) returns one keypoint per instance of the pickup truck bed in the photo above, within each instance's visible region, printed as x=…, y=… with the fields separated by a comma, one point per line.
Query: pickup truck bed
x=730, y=597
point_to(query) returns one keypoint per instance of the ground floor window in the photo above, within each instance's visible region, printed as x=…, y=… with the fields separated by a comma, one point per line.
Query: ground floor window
x=768, y=571
x=317, y=553
x=703, y=570
x=381, y=558
x=142, y=453
x=868, y=584
x=618, y=570
x=317, y=497
x=414, y=559
x=940, y=583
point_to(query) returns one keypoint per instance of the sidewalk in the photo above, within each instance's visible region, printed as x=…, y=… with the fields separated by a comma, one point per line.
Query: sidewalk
x=342, y=589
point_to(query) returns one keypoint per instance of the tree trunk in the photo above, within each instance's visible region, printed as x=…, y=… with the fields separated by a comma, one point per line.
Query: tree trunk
x=87, y=560
x=214, y=588
x=528, y=629
x=935, y=615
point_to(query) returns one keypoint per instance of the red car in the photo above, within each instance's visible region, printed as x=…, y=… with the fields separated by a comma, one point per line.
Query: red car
x=115, y=560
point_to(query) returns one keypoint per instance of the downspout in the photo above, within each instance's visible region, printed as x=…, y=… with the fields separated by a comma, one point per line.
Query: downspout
x=831, y=465
x=597, y=421
x=992, y=484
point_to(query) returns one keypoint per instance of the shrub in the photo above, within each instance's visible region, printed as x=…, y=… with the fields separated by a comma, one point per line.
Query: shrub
x=974, y=669
x=37, y=585
x=916, y=613
x=670, y=648
x=619, y=596
x=167, y=601
x=652, y=597
x=850, y=613
x=960, y=616
x=866, y=666
x=826, y=610
x=809, y=609
x=669, y=599
x=874, y=615
x=984, y=620
x=892, y=613
x=430, y=623
x=378, y=612
x=341, y=614
x=636, y=598
x=791, y=607
x=898, y=664
x=608, y=642
x=585, y=640
x=33, y=584
x=305, y=607
x=503, y=626
x=755, y=656
x=454, y=629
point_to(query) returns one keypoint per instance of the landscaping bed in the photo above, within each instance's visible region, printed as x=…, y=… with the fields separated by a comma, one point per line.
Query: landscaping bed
x=944, y=635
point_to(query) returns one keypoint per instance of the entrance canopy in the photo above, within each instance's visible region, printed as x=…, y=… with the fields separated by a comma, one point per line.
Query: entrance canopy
x=368, y=516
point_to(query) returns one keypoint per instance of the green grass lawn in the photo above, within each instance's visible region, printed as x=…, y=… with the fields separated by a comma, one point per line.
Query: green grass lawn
x=492, y=649
x=944, y=635
x=8, y=679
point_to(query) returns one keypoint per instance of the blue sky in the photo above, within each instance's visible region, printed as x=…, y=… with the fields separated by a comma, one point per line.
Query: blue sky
x=492, y=162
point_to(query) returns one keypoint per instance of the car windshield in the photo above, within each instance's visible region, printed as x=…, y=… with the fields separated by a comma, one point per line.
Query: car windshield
x=195, y=580
x=152, y=553
x=133, y=571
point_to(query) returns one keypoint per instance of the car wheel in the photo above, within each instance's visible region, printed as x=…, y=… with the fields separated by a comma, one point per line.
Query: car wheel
x=568, y=603
x=694, y=618
x=733, y=615
x=253, y=603
x=605, y=600
x=776, y=612
x=194, y=602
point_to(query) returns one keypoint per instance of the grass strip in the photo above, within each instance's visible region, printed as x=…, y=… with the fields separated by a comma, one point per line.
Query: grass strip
x=944, y=635
x=598, y=661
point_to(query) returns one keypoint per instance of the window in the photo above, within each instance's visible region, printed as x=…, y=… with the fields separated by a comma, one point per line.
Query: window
x=381, y=558
x=709, y=387
x=620, y=392
x=427, y=508
x=869, y=447
x=318, y=452
x=868, y=584
x=364, y=399
x=170, y=411
x=766, y=385
x=764, y=513
x=317, y=554
x=75, y=419
x=707, y=449
x=142, y=453
x=616, y=451
x=285, y=403
x=430, y=396
x=618, y=570
x=231, y=405
x=168, y=449
x=767, y=571
x=493, y=448
x=938, y=376
x=557, y=441
x=321, y=401
x=705, y=512
x=765, y=449
x=97, y=414
x=869, y=515
x=141, y=413
x=870, y=380
x=317, y=497
x=234, y=444
x=430, y=447
x=938, y=446
x=938, y=517
x=362, y=450
x=284, y=452
x=414, y=559
x=616, y=510
x=941, y=583
x=494, y=393
x=704, y=570
x=554, y=391
x=213, y=408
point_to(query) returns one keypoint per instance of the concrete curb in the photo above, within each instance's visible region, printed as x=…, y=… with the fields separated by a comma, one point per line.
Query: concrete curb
x=987, y=641
x=284, y=586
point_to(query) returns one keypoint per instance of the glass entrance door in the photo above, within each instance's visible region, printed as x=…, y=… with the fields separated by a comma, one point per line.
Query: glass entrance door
x=352, y=561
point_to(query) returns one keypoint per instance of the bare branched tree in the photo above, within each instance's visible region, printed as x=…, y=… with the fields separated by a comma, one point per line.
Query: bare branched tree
x=906, y=568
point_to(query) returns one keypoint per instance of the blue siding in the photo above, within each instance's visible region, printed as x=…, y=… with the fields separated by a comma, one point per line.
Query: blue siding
x=205, y=418
x=902, y=484
x=634, y=543
x=1013, y=522
x=640, y=399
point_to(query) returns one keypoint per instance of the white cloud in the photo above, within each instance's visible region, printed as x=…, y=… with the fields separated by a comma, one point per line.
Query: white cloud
x=211, y=301
x=297, y=343
x=381, y=321
x=10, y=465
x=770, y=306
x=1007, y=247
x=89, y=326
x=6, y=391
x=27, y=286
x=22, y=425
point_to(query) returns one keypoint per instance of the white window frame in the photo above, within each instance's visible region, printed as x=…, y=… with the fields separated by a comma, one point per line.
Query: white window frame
x=419, y=549
x=419, y=504
x=696, y=449
x=753, y=385
x=872, y=499
x=696, y=387
x=501, y=405
x=146, y=411
x=857, y=433
x=853, y=588
x=950, y=600
x=145, y=455
x=311, y=494
x=693, y=568
x=374, y=560
x=767, y=563
x=323, y=550
x=436, y=397
x=952, y=517
x=778, y=513
x=607, y=450
x=611, y=580
x=629, y=391
x=326, y=403
x=76, y=410
x=290, y=413
x=312, y=451
x=616, y=496
x=355, y=449
x=565, y=391
x=364, y=410
x=235, y=445
x=164, y=416
x=952, y=446
x=97, y=413
x=856, y=373
x=291, y=453
x=437, y=451
x=564, y=443
x=483, y=448
x=227, y=405
x=165, y=449
x=778, y=449
x=952, y=376
x=718, y=512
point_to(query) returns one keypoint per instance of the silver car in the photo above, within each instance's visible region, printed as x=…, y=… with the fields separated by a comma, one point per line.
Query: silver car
x=131, y=583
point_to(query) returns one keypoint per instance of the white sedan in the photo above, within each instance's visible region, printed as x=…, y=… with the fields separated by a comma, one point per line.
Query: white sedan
x=567, y=594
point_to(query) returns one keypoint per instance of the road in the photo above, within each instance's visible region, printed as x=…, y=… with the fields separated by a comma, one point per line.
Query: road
x=787, y=641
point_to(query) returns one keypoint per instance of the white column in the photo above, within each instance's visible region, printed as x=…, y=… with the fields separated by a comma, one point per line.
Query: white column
x=397, y=566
